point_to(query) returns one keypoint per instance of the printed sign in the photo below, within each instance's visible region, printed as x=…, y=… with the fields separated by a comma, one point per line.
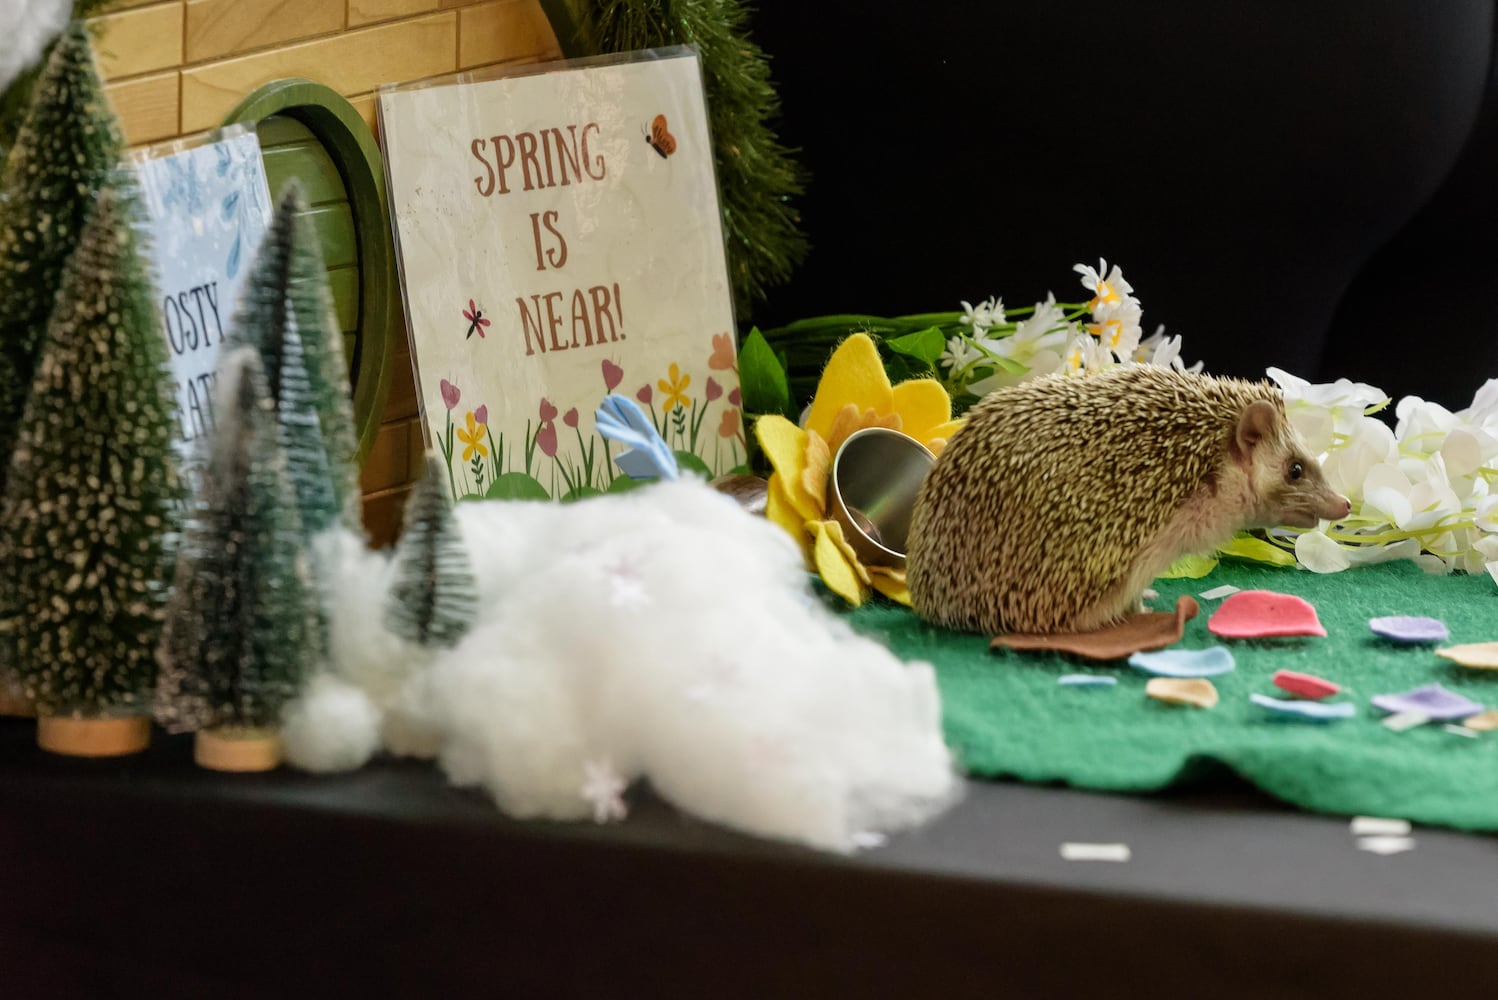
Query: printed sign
x=560, y=239
x=206, y=207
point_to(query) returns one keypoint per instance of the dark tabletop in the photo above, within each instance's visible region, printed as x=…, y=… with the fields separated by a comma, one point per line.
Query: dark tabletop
x=147, y=875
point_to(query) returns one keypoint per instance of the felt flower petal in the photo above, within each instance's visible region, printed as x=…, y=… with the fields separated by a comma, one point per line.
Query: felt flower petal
x=1260, y=614
x=1184, y=662
x=923, y=406
x=1409, y=628
x=1479, y=655
x=783, y=443
x=891, y=583
x=1432, y=701
x=818, y=466
x=855, y=375
x=780, y=510
x=1196, y=691
x=1311, y=711
x=839, y=570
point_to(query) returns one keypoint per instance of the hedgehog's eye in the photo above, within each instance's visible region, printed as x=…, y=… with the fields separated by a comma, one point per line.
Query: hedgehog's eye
x=1296, y=470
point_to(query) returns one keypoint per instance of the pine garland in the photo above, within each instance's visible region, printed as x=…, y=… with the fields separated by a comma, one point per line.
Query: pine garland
x=434, y=598
x=93, y=495
x=66, y=149
x=757, y=176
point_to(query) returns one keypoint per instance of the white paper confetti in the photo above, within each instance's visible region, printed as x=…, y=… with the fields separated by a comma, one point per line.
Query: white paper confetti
x=1217, y=593
x=868, y=839
x=1378, y=826
x=1386, y=845
x=1095, y=852
x=1401, y=721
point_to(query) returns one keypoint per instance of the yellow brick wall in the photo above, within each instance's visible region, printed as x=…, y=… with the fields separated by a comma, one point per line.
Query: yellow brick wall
x=174, y=67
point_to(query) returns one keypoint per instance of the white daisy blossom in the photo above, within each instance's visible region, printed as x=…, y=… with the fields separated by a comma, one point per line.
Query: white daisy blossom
x=1110, y=290
x=1163, y=352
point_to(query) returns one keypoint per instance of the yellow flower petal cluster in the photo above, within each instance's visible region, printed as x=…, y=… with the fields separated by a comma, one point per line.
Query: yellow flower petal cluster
x=854, y=393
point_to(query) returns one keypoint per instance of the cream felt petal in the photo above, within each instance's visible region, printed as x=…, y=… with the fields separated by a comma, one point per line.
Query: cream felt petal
x=853, y=376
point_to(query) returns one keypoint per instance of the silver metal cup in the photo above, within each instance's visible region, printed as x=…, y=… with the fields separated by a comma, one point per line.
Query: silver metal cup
x=871, y=492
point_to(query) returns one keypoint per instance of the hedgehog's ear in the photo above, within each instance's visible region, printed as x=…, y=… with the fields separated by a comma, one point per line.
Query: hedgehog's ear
x=1255, y=423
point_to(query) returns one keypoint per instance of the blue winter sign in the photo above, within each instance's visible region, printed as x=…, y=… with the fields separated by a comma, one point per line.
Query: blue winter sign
x=206, y=208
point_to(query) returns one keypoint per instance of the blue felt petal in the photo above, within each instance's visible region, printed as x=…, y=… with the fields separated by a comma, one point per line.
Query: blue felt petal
x=1086, y=680
x=1185, y=662
x=1312, y=711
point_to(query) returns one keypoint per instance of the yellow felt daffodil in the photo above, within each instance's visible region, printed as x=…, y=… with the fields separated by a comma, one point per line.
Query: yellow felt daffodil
x=854, y=393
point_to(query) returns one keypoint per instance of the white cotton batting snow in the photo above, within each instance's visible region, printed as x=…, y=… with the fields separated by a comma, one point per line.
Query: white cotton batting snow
x=29, y=26
x=663, y=630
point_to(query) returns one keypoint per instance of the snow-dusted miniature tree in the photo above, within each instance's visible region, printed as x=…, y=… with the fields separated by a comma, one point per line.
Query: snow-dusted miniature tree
x=286, y=314
x=67, y=145
x=434, y=596
x=91, y=503
x=241, y=634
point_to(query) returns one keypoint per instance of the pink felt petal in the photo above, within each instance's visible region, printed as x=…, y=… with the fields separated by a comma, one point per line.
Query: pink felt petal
x=1304, y=685
x=1263, y=614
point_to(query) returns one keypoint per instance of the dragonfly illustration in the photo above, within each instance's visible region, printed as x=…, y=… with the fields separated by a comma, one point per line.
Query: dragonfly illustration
x=476, y=321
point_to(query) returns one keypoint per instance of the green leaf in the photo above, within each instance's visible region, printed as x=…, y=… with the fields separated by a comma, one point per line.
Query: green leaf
x=761, y=377
x=516, y=486
x=1190, y=568
x=623, y=484
x=581, y=493
x=688, y=462
x=923, y=345
x=1257, y=550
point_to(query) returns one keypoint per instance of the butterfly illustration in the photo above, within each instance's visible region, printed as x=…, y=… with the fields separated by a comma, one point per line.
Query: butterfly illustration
x=476, y=321
x=661, y=140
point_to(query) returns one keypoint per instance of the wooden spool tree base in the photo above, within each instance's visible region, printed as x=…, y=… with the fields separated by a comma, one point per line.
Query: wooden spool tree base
x=75, y=737
x=14, y=703
x=241, y=750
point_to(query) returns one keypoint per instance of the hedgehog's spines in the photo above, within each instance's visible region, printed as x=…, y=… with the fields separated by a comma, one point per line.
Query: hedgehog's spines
x=1041, y=503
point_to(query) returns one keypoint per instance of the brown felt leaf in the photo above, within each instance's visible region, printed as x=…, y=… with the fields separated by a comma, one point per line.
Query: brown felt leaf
x=1136, y=633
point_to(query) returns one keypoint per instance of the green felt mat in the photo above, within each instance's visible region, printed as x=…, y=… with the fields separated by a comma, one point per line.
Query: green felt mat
x=1005, y=715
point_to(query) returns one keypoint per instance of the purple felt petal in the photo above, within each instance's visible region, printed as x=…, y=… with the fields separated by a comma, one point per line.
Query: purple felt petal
x=1410, y=628
x=1432, y=701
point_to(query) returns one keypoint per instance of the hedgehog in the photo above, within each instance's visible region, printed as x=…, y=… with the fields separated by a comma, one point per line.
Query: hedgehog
x=1063, y=497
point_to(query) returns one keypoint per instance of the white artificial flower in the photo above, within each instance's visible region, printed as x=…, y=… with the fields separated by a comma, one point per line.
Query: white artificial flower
x=1322, y=413
x=1110, y=290
x=1085, y=355
x=1320, y=554
x=983, y=315
x=1117, y=328
x=960, y=353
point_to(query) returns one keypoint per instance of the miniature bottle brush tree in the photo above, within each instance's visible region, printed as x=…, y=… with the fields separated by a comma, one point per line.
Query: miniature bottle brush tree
x=91, y=501
x=433, y=598
x=242, y=634
x=67, y=144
